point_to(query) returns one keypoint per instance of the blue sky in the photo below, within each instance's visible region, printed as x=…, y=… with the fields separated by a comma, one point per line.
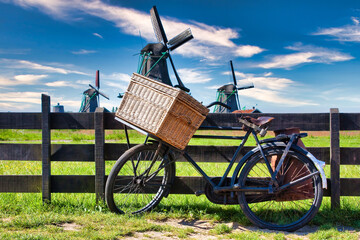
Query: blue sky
x=302, y=56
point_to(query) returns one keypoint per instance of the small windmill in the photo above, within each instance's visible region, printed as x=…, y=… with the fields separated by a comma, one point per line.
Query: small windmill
x=153, y=63
x=91, y=97
x=228, y=94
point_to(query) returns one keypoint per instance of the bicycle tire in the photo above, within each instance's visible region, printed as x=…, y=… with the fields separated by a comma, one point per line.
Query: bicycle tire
x=129, y=190
x=286, y=210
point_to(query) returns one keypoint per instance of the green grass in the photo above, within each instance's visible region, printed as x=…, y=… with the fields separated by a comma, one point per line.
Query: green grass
x=24, y=216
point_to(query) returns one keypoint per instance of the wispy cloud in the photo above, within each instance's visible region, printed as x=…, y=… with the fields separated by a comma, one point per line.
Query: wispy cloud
x=6, y=106
x=305, y=54
x=24, y=64
x=270, y=89
x=347, y=33
x=117, y=77
x=15, y=51
x=192, y=75
x=28, y=79
x=62, y=84
x=98, y=35
x=248, y=51
x=83, y=52
x=211, y=42
x=21, y=97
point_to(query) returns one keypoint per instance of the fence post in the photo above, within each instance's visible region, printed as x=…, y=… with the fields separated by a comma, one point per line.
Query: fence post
x=99, y=154
x=335, y=157
x=46, y=148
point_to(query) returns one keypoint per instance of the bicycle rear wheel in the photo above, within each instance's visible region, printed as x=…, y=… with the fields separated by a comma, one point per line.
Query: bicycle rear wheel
x=284, y=210
x=139, y=180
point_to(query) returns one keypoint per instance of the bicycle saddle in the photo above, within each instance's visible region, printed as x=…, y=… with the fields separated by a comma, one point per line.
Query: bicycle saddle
x=260, y=121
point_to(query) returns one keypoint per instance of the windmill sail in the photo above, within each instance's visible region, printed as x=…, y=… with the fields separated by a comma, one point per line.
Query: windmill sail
x=153, y=63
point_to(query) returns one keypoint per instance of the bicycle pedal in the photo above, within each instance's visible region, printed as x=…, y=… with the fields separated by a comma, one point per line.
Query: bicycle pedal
x=200, y=192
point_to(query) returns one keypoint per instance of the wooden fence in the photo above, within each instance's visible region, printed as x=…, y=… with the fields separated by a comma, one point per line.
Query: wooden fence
x=101, y=151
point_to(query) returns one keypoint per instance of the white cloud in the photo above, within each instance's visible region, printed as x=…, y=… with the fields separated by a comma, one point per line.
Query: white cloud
x=4, y=106
x=271, y=89
x=268, y=74
x=272, y=96
x=24, y=64
x=347, y=33
x=98, y=35
x=238, y=74
x=21, y=97
x=191, y=75
x=117, y=86
x=117, y=76
x=65, y=103
x=83, y=52
x=248, y=51
x=62, y=84
x=305, y=54
x=211, y=42
x=28, y=79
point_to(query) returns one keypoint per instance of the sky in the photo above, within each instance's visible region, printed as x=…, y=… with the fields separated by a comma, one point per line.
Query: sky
x=301, y=56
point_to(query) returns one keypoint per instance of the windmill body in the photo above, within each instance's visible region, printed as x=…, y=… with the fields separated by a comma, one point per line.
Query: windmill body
x=91, y=96
x=228, y=94
x=153, y=63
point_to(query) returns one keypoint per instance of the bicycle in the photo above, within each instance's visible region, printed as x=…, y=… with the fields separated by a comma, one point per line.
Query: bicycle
x=277, y=184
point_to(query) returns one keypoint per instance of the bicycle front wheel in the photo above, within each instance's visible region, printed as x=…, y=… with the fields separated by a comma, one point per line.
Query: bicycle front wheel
x=139, y=180
x=287, y=209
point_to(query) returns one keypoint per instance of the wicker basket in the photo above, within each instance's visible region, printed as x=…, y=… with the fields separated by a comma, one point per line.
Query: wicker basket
x=164, y=111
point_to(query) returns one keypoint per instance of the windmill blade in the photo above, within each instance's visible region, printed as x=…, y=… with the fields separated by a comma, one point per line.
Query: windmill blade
x=233, y=72
x=180, y=39
x=246, y=87
x=157, y=25
x=97, y=79
x=98, y=92
x=104, y=95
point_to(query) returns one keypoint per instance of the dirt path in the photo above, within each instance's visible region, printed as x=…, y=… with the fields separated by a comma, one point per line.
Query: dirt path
x=202, y=229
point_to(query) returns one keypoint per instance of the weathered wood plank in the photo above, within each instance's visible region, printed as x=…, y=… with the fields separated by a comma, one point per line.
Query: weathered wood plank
x=72, y=120
x=349, y=121
x=86, y=184
x=73, y=184
x=335, y=157
x=20, y=120
x=99, y=154
x=28, y=152
x=350, y=186
x=72, y=152
x=46, y=148
x=112, y=151
x=111, y=123
x=20, y=183
x=319, y=121
x=350, y=156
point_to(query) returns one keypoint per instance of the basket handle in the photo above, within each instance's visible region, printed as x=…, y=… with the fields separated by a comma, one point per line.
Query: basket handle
x=184, y=118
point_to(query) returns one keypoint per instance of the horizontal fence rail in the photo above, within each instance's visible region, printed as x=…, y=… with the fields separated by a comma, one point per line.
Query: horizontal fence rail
x=101, y=151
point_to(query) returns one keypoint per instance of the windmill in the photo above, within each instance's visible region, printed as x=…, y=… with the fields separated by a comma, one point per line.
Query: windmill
x=91, y=97
x=153, y=62
x=228, y=94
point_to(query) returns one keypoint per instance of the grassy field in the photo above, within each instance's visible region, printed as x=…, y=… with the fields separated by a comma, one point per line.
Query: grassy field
x=77, y=216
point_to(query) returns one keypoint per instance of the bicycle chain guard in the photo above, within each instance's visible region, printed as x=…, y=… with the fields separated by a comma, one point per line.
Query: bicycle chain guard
x=222, y=197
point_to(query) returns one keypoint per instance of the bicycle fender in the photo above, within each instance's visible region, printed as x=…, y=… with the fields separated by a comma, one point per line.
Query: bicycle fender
x=318, y=164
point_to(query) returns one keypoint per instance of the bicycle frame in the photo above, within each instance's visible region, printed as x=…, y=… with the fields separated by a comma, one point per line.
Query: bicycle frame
x=234, y=187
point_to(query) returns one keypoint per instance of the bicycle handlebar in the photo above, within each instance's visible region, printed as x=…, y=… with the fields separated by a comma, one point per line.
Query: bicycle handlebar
x=218, y=103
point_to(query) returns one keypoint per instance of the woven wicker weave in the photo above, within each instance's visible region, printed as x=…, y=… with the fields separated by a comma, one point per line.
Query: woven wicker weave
x=166, y=112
